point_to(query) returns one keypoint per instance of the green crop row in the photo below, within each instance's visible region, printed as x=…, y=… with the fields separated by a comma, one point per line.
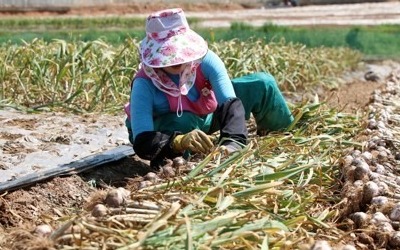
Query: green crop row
x=95, y=76
x=379, y=41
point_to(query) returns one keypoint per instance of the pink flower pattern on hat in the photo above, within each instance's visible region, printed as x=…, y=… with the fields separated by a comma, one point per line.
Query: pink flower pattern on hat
x=146, y=52
x=164, y=47
x=188, y=52
x=168, y=50
x=155, y=61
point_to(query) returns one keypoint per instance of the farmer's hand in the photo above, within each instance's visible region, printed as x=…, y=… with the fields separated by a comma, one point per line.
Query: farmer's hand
x=195, y=141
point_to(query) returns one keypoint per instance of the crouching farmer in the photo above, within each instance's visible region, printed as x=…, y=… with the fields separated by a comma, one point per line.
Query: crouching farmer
x=182, y=93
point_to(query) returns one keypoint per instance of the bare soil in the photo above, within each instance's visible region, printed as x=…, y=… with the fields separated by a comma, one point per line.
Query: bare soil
x=51, y=139
x=120, y=9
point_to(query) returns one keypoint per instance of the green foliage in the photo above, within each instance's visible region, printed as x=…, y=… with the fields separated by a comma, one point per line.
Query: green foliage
x=74, y=23
x=272, y=28
x=276, y=193
x=238, y=26
x=372, y=41
x=79, y=77
x=295, y=66
x=95, y=75
x=70, y=23
x=384, y=45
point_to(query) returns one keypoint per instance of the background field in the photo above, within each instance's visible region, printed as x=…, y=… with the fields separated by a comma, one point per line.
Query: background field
x=64, y=80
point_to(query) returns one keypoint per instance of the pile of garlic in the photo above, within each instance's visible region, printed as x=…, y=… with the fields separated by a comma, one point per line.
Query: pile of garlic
x=371, y=192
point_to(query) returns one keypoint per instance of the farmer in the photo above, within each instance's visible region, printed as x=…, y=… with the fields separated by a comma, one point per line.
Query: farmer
x=182, y=93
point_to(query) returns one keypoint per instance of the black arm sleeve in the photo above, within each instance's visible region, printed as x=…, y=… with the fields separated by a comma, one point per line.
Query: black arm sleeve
x=153, y=145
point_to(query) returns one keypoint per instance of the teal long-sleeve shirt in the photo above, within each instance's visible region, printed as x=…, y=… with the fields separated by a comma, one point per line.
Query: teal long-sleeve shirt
x=147, y=100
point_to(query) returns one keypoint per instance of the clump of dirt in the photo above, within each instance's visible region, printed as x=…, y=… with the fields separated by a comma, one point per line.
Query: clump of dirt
x=63, y=196
x=58, y=197
x=354, y=93
x=135, y=8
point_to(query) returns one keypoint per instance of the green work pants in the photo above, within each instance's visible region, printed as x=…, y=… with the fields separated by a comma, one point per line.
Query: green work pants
x=261, y=96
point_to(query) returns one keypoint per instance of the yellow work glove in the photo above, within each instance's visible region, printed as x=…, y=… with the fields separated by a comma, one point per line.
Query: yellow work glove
x=195, y=141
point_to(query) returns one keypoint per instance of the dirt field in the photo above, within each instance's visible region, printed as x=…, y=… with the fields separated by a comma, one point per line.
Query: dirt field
x=30, y=143
x=221, y=15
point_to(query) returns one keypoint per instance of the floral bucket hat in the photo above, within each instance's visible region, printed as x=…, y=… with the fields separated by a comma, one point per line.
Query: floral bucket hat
x=169, y=40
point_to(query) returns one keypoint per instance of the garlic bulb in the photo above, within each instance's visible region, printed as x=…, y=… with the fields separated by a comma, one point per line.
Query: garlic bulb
x=360, y=219
x=99, y=210
x=43, y=230
x=117, y=197
x=361, y=171
x=370, y=190
x=145, y=184
x=152, y=177
x=395, y=240
x=395, y=213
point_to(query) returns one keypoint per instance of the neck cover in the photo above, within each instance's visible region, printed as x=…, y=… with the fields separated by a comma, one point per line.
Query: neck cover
x=164, y=83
